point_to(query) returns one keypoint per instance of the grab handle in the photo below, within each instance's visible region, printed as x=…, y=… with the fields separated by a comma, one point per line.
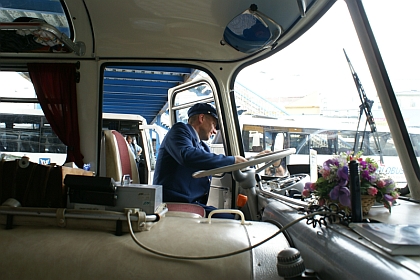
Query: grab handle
x=227, y=211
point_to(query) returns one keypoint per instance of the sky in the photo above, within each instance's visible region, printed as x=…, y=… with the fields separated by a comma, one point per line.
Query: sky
x=14, y=85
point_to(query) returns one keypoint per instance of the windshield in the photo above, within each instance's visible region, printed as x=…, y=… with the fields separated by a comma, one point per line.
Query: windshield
x=307, y=97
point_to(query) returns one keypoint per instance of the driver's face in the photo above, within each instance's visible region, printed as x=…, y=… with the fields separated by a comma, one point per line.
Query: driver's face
x=207, y=127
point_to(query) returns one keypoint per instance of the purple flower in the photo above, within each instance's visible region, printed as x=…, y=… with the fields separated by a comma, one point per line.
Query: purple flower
x=343, y=175
x=365, y=175
x=373, y=178
x=308, y=186
x=342, y=194
x=372, y=168
x=389, y=185
x=327, y=164
x=388, y=197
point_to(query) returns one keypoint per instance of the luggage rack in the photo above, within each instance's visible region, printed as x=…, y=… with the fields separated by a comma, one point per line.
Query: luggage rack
x=45, y=34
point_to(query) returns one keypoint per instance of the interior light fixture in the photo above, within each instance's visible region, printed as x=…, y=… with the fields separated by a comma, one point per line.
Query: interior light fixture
x=251, y=31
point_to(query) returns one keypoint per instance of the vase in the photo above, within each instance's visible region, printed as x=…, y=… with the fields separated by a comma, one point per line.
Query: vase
x=367, y=203
x=329, y=202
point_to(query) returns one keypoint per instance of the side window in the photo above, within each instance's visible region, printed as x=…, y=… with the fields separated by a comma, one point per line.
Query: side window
x=24, y=130
x=188, y=96
x=183, y=97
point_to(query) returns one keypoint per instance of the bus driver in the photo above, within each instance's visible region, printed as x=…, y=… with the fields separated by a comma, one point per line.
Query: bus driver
x=183, y=152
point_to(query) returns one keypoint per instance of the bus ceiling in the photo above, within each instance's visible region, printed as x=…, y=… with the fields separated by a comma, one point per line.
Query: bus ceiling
x=269, y=26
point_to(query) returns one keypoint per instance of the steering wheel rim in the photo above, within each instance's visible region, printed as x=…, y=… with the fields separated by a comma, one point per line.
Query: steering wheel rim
x=252, y=161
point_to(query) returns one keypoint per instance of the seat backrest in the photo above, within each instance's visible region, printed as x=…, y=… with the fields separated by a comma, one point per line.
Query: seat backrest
x=186, y=207
x=119, y=160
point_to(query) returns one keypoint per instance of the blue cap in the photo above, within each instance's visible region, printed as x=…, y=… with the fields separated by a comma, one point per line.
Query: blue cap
x=203, y=108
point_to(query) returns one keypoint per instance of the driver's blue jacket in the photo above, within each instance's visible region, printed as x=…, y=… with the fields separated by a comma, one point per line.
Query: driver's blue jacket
x=180, y=155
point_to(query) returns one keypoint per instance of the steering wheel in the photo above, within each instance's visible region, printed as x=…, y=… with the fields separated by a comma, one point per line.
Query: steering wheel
x=251, y=161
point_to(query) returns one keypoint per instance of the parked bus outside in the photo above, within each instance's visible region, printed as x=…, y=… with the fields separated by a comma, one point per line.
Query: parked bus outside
x=326, y=136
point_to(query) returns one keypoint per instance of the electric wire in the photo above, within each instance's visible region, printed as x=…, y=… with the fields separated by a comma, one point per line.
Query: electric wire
x=220, y=255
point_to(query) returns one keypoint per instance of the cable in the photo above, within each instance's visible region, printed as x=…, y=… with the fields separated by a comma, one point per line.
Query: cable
x=221, y=255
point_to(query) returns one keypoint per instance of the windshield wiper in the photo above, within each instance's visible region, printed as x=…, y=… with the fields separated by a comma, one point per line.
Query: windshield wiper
x=366, y=107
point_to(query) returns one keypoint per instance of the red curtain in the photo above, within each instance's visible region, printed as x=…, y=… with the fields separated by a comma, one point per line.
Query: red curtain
x=55, y=86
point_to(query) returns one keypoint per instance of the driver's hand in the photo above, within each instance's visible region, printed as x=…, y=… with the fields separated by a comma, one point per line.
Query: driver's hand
x=239, y=159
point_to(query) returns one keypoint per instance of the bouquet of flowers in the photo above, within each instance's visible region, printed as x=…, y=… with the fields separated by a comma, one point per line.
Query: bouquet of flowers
x=333, y=186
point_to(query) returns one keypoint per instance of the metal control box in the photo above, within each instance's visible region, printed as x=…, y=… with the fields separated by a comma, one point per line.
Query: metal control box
x=145, y=197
